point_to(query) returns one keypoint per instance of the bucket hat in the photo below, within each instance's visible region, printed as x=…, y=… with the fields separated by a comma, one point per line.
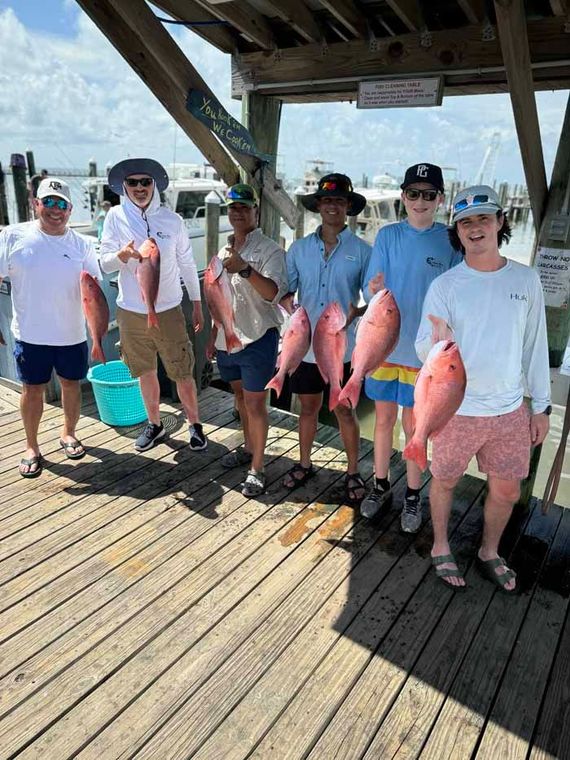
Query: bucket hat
x=129, y=166
x=335, y=186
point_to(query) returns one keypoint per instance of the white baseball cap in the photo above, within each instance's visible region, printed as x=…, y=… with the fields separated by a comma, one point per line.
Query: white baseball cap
x=54, y=186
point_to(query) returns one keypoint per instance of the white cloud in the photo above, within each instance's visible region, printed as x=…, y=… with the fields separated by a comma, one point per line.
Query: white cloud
x=70, y=98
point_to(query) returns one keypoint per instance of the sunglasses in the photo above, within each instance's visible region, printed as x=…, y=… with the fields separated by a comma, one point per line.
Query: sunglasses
x=473, y=200
x=241, y=194
x=144, y=181
x=427, y=195
x=53, y=202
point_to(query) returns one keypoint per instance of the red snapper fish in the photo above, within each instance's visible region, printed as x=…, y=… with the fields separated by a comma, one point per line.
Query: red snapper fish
x=96, y=313
x=439, y=391
x=295, y=344
x=218, y=293
x=376, y=338
x=148, y=276
x=329, y=345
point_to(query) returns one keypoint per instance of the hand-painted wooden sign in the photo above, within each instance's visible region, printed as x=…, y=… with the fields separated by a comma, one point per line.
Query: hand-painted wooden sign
x=211, y=112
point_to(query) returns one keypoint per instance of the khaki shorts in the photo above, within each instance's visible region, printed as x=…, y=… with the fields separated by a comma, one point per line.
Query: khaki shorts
x=140, y=344
x=501, y=445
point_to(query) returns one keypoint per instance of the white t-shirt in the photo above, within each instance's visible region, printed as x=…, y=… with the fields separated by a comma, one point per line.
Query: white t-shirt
x=128, y=222
x=44, y=272
x=499, y=323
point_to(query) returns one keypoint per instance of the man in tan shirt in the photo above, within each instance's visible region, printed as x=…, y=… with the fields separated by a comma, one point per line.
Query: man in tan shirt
x=258, y=276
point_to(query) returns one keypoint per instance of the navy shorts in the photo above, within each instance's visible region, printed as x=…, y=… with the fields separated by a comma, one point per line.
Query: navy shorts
x=254, y=365
x=35, y=363
x=308, y=380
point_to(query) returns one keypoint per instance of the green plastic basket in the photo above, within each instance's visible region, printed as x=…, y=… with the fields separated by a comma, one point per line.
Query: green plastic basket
x=117, y=394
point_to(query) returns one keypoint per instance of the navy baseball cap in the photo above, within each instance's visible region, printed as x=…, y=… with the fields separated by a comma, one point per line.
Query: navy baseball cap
x=429, y=173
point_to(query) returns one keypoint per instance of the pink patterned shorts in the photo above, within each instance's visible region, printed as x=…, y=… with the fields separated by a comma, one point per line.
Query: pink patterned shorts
x=501, y=445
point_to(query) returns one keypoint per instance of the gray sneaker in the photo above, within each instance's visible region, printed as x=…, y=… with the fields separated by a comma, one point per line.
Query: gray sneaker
x=411, y=517
x=370, y=506
x=236, y=458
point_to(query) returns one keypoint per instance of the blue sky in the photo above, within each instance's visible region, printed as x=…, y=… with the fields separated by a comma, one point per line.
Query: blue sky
x=69, y=96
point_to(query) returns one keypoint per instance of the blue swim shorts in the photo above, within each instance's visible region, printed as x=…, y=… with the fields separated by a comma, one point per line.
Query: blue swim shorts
x=254, y=365
x=34, y=363
x=392, y=382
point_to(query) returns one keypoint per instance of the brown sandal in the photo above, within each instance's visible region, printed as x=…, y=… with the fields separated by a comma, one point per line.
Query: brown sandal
x=352, y=483
x=298, y=469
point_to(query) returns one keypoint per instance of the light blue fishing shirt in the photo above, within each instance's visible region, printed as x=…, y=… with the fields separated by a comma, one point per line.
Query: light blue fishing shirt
x=318, y=280
x=410, y=260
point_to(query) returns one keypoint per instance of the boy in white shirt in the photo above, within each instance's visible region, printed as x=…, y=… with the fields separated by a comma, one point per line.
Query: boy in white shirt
x=494, y=309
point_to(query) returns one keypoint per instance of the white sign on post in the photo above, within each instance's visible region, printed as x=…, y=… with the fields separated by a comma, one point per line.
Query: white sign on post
x=400, y=93
x=553, y=266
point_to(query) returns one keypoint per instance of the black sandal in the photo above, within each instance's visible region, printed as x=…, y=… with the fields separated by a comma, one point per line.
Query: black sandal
x=298, y=469
x=351, y=484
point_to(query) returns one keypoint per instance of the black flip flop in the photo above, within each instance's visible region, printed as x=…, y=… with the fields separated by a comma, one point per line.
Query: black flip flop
x=70, y=447
x=28, y=463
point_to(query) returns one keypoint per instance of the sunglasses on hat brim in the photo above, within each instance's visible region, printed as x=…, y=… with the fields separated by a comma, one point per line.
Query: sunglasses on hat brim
x=475, y=200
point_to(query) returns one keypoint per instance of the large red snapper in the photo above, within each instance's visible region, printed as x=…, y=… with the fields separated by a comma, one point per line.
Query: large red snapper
x=376, y=338
x=217, y=290
x=96, y=312
x=148, y=276
x=439, y=391
x=329, y=345
x=295, y=344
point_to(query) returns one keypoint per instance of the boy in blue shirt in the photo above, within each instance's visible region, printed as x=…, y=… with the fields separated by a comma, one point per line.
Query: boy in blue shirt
x=406, y=257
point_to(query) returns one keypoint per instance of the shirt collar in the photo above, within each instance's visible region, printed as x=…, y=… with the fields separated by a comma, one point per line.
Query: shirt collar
x=342, y=235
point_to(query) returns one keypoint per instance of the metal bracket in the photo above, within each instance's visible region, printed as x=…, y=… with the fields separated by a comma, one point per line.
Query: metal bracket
x=488, y=32
x=426, y=38
x=324, y=48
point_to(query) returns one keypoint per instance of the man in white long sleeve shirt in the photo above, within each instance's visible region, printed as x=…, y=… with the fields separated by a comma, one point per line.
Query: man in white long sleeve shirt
x=139, y=182
x=494, y=309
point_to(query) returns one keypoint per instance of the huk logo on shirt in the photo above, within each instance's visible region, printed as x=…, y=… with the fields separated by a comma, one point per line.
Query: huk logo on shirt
x=434, y=262
x=422, y=170
x=519, y=297
x=162, y=235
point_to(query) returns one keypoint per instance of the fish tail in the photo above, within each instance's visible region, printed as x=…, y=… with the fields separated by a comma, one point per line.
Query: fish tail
x=153, y=320
x=350, y=394
x=415, y=451
x=97, y=354
x=233, y=343
x=276, y=383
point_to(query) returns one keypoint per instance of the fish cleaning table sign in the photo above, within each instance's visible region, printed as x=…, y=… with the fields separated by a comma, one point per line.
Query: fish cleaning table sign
x=400, y=93
x=553, y=267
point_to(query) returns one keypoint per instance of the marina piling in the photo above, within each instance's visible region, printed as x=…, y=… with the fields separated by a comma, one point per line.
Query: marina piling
x=212, y=225
x=18, y=166
x=3, y=201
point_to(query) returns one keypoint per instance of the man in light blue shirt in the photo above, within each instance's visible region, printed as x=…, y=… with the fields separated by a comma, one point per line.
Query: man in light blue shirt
x=328, y=265
x=406, y=258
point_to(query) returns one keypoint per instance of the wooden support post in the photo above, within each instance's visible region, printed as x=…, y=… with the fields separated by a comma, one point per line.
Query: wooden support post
x=261, y=116
x=300, y=226
x=212, y=225
x=18, y=164
x=4, y=219
x=31, y=163
x=555, y=234
x=511, y=22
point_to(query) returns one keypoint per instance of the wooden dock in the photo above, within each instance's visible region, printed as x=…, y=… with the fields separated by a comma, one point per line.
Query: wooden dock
x=148, y=610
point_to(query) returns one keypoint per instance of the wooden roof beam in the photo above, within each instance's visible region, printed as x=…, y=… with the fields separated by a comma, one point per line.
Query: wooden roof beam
x=512, y=26
x=298, y=16
x=247, y=21
x=349, y=16
x=409, y=12
x=188, y=10
x=560, y=7
x=474, y=10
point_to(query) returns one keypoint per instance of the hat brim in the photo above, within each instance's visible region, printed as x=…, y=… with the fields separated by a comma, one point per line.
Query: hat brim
x=356, y=202
x=482, y=208
x=251, y=204
x=55, y=194
x=129, y=166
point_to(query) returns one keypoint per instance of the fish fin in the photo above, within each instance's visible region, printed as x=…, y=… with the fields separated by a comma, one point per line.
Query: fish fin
x=415, y=451
x=97, y=354
x=276, y=383
x=334, y=397
x=233, y=343
x=350, y=394
x=153, y=320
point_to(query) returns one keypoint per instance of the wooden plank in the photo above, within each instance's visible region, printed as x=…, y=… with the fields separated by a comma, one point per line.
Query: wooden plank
x=452, y=50
x=559, y=7
x=187, y=588
x=409, y=12
x=218, y=35
x=243, y=17
x=463, y=717
x=292, y=590
x=511, y=721
x=349, y=15
x=474, y=10
x=359, y=676
x=298, y=16
x=139, y=37
x=512, y=27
